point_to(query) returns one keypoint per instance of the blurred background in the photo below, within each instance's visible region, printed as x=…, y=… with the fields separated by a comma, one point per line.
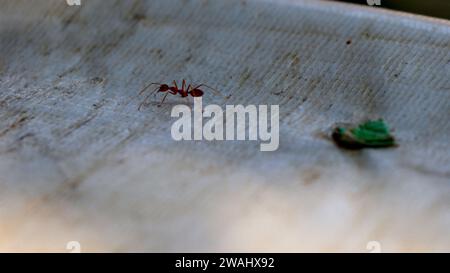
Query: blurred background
x=435, y=8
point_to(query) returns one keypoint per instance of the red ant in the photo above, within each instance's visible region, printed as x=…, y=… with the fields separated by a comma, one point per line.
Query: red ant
x=192, y=90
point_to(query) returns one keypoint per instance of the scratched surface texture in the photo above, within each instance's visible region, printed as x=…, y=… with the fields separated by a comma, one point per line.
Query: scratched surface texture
x=78, y=162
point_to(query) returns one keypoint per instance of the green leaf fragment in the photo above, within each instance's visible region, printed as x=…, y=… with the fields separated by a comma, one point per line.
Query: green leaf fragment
x=370, y=134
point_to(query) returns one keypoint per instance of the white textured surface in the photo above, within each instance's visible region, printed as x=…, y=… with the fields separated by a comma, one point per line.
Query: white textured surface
x=79, y=162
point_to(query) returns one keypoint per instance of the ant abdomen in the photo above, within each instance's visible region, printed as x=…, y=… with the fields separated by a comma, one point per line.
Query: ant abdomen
x=197, y=93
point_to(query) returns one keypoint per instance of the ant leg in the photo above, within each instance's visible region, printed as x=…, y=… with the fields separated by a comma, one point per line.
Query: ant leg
x=155, y=92
x=175, y=84
x=163, y=100
x=187, y=91
x=183, y=85
x=146, y=98
x=143, y=102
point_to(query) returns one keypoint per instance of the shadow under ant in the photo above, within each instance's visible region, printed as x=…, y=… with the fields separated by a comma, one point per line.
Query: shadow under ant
x=168, y=103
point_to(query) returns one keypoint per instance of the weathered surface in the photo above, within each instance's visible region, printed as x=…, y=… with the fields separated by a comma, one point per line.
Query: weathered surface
x=79, y=162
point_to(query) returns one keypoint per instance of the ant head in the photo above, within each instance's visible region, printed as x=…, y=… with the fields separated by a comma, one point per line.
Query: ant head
x=163, y=88
x=196, y=93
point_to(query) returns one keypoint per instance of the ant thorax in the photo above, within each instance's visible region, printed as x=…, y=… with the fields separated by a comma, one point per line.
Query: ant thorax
x=183, y=93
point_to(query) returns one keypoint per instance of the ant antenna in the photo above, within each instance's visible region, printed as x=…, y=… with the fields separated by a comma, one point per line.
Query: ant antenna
x=147, y=86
